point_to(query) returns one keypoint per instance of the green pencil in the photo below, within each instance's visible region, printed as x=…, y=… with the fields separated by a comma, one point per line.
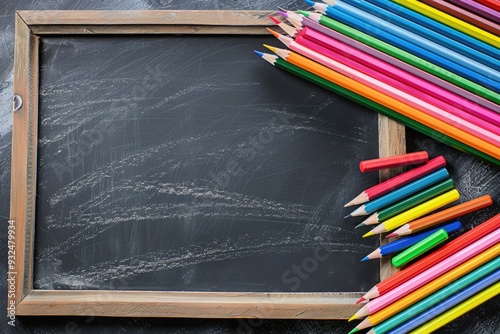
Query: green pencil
x=436, y=297
x=419, y=248
x=283, y=64
x=407, y=57
x=408, y=203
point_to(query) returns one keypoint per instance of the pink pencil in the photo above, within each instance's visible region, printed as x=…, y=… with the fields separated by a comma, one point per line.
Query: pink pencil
x=382, y=87
x=313, y=24
x=433, y=93
x=428, y=275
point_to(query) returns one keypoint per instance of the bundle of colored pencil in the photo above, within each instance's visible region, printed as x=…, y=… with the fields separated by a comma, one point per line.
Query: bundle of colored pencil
x=420, y=66
x=461, y=272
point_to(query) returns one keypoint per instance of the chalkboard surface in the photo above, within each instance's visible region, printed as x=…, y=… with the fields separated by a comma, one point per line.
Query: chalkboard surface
x=187, y=163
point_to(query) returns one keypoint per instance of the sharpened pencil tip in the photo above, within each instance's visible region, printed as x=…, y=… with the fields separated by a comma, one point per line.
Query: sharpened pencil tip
x=283, y=13
x=275, y=34
x=260, y=54
x=360, y=300
x=366, y=258
x=368, y=234
x=354, y=330
x=304, y=12
x=349, y=215
x=272, y=48
x=354, y=317
x=275, y=20
x=360, y=225
x=390, y=235
x=310, y=3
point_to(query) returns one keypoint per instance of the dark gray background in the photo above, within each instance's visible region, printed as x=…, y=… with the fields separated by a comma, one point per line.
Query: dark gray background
x=473, y=178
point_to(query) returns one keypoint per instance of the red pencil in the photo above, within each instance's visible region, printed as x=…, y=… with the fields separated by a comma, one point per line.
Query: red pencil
x=493, y=4
x=444, y=252
x=398, y=181
x=394, y=161
x=465, y=15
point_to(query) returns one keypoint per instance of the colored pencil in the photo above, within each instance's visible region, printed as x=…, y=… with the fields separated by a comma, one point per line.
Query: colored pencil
x=451, y=21
x=449, y=283
x=366, y=23
x=494, y=4
x=398, y=181
x=394, y=161
x=295, y=70
x=408, y=203
x=420, y=248
x=465, y=15
x=411, y=59
x=385, y=100
x=403, y=243
x=400, y=79
x=479, y=9
x=443, y=216
x=443, y=29
x=442, y=253
x=400, y=193
x=430, y=274
x=469, y=123
x=458, y=49
x=289, y=30
x=470, y=297
x=415, y=212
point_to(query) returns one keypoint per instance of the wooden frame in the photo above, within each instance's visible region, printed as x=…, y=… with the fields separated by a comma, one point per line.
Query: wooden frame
x=32, y=24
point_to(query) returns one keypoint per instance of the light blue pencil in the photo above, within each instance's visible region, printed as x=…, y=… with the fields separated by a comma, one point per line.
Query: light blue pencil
x=367, y=24
x=426, y=33
x=460, y=296
x=400, y=193
x=443, y=29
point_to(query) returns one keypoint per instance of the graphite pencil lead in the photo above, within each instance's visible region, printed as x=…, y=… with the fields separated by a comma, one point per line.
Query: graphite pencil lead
x=347, y=216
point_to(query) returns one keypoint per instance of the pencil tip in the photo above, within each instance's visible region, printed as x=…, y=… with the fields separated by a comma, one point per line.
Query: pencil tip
x=349, y=204
x=275, y=34
x=366, y=258
x=272, y=48
x=354, y=330
x=349, y=215
x=304, y=12
x=390, y=235
x=360, y=300
x=359, y=225
x=260, y=54
x=368, y=234
x=310, y=3
x=283, y=14
x=354, y=317
x=275, y=20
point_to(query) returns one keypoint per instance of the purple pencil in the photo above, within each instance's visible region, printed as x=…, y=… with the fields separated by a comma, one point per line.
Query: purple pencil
x=479, y=9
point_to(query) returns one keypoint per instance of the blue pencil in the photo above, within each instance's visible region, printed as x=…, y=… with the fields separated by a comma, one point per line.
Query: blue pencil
x=438, y=27
x=447, y=303
x=400, y=193
x=403, y=243
x=373, y=30
x=425, y=32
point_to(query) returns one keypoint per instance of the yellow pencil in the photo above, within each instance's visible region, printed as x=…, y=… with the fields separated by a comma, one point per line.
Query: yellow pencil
x=414, y=213
x=458, y=310
x=432, y=286
x=451, y=21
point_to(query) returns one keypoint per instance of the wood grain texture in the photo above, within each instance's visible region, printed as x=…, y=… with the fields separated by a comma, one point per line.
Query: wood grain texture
x=23, y=164
x=190, y=304
x=392, y=141
x=141, y=303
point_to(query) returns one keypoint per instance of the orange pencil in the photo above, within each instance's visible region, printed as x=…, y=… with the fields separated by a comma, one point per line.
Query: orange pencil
x=387, y=101
x=442, y=216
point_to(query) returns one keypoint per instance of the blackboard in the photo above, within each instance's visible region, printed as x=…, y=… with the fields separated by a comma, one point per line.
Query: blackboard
x=186, y=163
